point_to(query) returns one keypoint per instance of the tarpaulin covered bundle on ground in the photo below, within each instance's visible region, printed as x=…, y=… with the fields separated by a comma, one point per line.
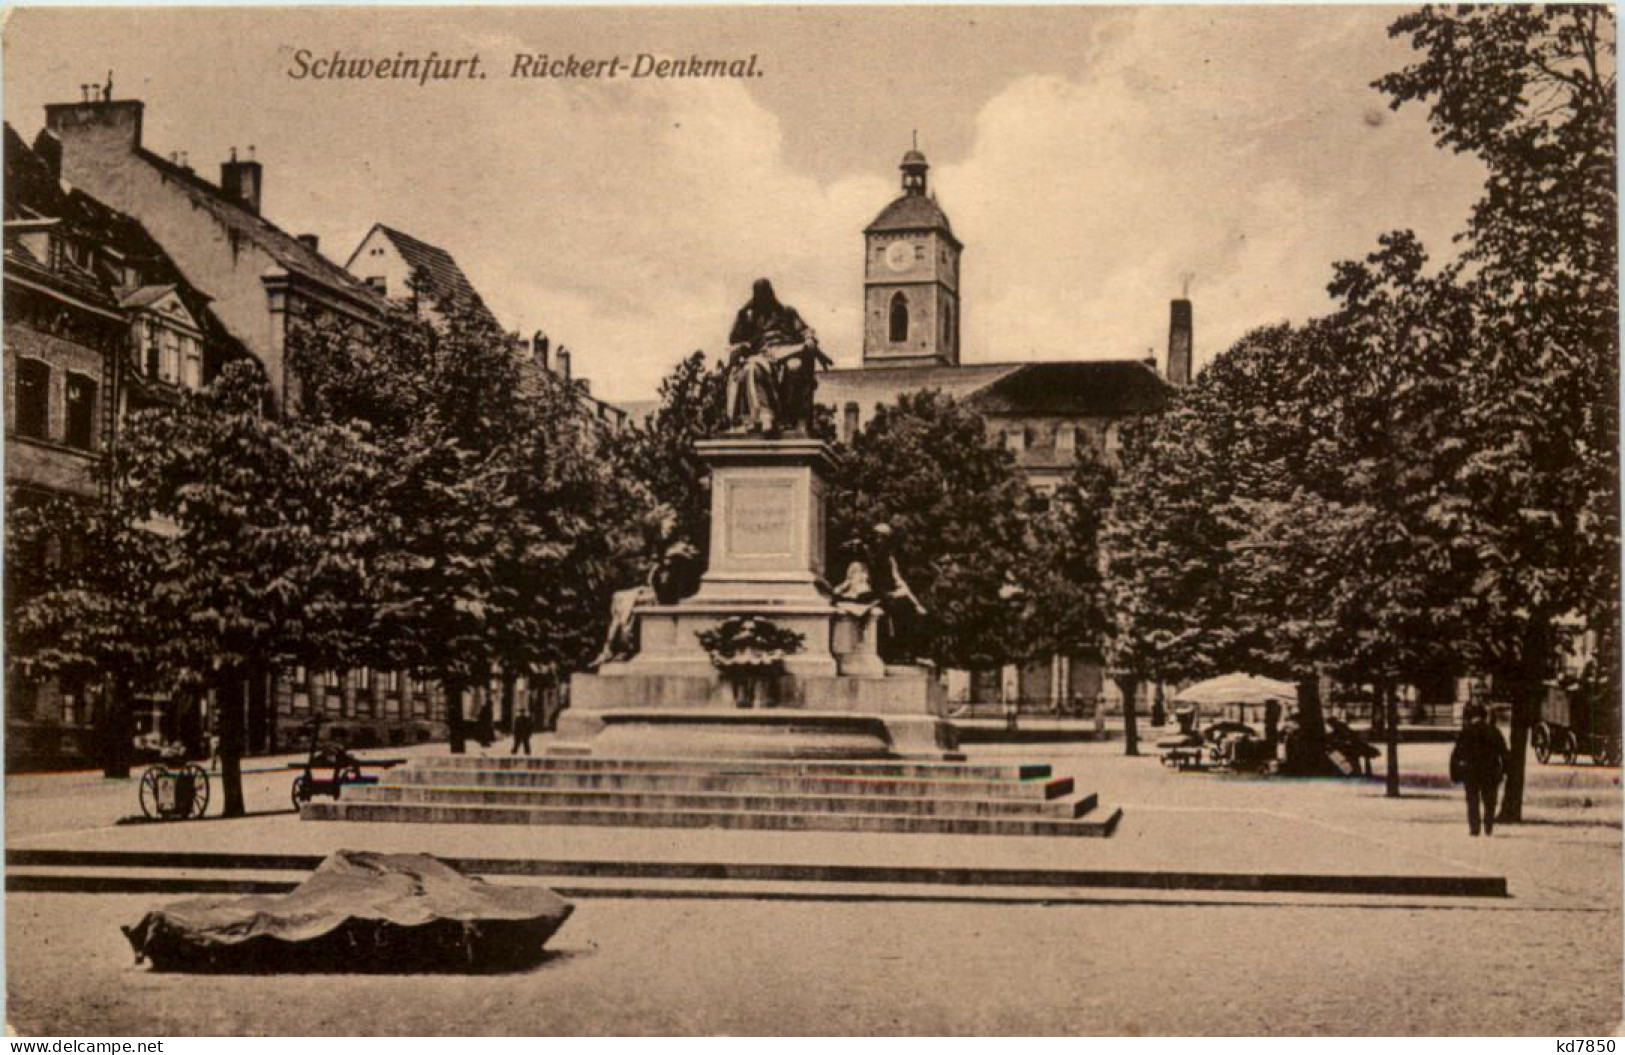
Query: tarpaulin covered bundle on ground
x=358, y=912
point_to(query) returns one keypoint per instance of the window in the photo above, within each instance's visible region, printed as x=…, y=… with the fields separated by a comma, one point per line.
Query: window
x=379, y=284
x=919, y=252
x=331, y=680
x=169, y=362
x=33, y=398
x=947, y=324
x=1114, y=439
x=191, y=363
x=392, y=681
x=899, y=318
x=1015, y=439
x=849, y=420
x=81, y=430
x=151, y=360
x=1066, y=438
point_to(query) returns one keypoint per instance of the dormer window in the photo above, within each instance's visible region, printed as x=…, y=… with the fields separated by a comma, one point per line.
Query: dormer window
x=1066, y=438
x=1015, y=440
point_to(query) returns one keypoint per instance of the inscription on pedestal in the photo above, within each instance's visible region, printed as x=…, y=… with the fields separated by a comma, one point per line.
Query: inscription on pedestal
x=759, y=522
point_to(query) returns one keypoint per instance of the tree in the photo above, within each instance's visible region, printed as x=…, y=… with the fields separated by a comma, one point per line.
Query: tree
x=499, y=518
x=79, y=607
x=958, y=505
x=260, y=541
x=1532, y=92
x=658, y=454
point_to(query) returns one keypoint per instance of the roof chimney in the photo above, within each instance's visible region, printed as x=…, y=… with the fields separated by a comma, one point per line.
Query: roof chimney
x=242, y=181
x=539, y=347
x=311, y=242
x=564, y=362
x=90, y=127
x=1180, y=333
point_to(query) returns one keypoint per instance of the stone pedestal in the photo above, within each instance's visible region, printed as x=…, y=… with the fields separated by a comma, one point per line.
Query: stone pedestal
x=835, y=698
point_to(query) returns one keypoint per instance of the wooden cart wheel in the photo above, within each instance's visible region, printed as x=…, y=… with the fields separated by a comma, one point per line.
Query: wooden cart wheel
x=301, y=790
x=1569, y=747
x=149, y=793
x=1541, y=740
x=200, y=790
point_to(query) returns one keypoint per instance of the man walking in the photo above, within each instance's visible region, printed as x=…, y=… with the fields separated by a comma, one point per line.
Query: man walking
x=1478, y=762
x=521, y=732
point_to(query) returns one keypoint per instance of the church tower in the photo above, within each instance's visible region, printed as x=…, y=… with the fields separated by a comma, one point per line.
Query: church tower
x=911, y=279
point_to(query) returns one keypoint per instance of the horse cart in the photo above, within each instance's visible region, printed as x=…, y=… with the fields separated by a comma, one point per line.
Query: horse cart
x=1577, y=723
x=174, y=790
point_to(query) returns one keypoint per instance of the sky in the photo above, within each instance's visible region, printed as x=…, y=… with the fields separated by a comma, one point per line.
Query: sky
x=1095, y=161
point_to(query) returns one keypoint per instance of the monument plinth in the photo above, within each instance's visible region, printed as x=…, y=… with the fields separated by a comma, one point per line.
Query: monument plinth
x=833, y=699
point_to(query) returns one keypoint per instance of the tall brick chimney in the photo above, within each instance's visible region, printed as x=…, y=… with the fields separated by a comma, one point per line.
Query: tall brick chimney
x=539, y=347
x=243, y=180
x=564, y=362
x=1180, y=334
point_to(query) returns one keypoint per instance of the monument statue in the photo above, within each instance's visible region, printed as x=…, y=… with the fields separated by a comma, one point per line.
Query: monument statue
x=877, y=580
x=674, y=573
x=772, y=366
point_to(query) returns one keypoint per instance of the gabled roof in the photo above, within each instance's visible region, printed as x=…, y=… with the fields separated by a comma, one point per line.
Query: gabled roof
x=146, y=296
x=289, y=252
x=446, y=283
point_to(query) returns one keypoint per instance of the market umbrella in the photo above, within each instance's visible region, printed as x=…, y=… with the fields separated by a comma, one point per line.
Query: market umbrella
x=1232, y=690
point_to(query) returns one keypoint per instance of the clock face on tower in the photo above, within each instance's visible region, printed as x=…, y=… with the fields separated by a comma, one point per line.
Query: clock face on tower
x=899, y=256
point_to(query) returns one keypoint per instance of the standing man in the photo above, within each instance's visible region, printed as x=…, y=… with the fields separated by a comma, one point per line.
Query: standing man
x=521, y=732
x=1478, y=762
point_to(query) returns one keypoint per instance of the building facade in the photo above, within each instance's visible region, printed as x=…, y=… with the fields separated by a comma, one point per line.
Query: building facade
x=99, y=323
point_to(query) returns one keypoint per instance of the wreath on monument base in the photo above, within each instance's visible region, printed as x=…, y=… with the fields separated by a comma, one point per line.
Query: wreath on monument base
x=749, y=650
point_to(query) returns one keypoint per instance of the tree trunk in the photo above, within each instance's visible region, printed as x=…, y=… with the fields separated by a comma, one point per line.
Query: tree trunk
x=1130, y=689
x=1526, y=699
x=505, y=719
x=228, y=695
x=456, y=732
x=1312, y=719
x=117, y=730
x=1389, y=700
x=1528, y=692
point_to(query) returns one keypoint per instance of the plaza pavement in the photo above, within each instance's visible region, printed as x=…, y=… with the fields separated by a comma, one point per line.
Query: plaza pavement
x=734, y=955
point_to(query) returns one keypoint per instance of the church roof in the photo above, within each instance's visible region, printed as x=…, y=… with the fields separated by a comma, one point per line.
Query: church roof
x=912, y=212
x=1090, y=389
x=1083, y=389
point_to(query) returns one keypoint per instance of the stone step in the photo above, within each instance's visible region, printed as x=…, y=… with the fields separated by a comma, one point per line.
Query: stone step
x=693, y=780
x=1069, y=807
x=873, y=770
x=443, y=813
